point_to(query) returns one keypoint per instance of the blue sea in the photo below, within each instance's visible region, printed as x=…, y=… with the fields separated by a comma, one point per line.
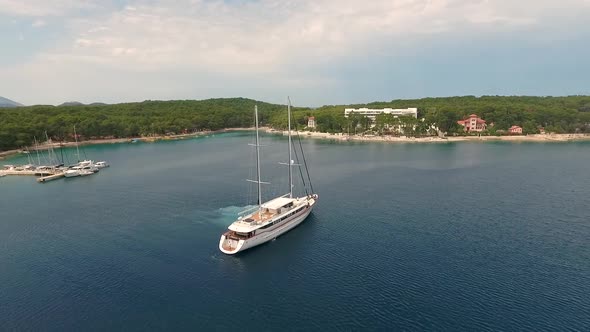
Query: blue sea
x=414, y=237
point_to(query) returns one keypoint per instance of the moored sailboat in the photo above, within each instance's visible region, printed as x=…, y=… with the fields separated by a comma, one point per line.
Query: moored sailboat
x=273, y=218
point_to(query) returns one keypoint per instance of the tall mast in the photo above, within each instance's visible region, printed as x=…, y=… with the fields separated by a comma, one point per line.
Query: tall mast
x=51, y=153
x=28, y=155
x=258, y=162
x=76, y=139
x=290, y=157
x=61, y=150
x=37, y=148
x=49, y=149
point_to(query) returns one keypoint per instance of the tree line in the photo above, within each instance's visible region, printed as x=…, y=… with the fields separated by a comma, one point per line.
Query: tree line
x=19, y=126
x=569, y=114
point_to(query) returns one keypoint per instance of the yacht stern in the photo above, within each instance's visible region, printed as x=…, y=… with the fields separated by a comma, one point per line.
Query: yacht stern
x=229, y=245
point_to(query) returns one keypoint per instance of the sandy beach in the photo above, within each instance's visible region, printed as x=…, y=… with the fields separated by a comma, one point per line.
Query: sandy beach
x=317, y=135
x=433, y=139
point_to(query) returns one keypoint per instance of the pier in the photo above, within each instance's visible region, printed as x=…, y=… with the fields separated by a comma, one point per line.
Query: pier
x=43, y=175
x=50, y=177
x=27, y=172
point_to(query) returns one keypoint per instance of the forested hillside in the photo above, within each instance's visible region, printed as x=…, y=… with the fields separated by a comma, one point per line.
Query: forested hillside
x=19, y=125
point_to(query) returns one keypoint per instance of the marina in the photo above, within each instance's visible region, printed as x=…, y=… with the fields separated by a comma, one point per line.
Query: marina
x=46, y=174
x=54, y=167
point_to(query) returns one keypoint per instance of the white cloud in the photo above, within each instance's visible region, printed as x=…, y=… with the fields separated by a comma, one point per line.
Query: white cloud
x=44, y=7
x=38, y=23
x=266, y=34
x=282, y=42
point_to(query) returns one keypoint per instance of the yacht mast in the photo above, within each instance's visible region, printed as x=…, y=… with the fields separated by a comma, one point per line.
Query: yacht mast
x=258, y=162
x=52, y=156
x=290, y=157
x=37, y=148
x=76, y=138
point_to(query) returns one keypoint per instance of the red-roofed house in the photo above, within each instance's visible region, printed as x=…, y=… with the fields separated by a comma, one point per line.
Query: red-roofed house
x=515, y=130
x=473, y=123
x=311, y=122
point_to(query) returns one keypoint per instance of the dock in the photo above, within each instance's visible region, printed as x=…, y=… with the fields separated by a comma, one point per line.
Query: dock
x=43, y=175
x=50, y=177
x=34, y=173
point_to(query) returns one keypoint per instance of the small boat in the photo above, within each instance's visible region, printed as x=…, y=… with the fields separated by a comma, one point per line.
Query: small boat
x=90, y=168
x=102, y=164
x=85, y=172
x=73, y=172
x=273, y=218
x=87, y=164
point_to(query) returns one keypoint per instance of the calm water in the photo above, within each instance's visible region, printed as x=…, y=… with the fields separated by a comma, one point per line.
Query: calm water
x=461, y=236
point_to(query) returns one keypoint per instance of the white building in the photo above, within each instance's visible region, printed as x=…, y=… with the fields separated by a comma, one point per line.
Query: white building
x=372, y=113
x=311, y=122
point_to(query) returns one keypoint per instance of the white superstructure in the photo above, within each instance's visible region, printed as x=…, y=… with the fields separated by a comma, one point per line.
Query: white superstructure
x=373, y=112
x=268, y=220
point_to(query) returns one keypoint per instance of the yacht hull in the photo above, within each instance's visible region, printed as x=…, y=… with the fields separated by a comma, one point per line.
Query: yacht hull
x=232, y=246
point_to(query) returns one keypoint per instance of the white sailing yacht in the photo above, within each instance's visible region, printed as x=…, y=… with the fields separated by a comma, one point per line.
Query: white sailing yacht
x=82, y=168
x=273, y=218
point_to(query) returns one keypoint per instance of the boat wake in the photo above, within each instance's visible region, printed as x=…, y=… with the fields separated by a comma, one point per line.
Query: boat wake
x=230, y=213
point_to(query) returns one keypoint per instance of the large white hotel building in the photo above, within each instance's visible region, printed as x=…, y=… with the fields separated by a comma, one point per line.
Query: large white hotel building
x=372, y=113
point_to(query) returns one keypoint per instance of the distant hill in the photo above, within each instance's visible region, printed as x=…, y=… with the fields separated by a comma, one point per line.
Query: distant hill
x=77, y=103
x=71, y=103
x=5, y=102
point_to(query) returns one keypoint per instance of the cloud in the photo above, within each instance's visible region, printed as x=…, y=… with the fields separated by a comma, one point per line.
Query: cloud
x=266, y=34
x=38, y=23
x=277, y=43
x=44, y=8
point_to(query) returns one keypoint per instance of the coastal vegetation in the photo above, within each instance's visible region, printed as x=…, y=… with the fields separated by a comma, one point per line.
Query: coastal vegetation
x=555, y=114
x=19, y=126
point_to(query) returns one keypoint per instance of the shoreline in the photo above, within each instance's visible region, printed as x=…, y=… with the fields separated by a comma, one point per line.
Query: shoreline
x=146, y=139
x=535, y=138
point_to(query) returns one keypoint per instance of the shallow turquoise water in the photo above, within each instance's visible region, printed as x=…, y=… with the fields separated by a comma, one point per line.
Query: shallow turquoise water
x=463, y=236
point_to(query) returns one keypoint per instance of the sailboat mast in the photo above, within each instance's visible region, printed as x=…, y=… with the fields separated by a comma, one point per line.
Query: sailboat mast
x=28, y=156
x=258, y=161
x=290, y=157
x=76, y=139
x=48, y=150
x=51, y=153
x=37, y=148
x=61, y=150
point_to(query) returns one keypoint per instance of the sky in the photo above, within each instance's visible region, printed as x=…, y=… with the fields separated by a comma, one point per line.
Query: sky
x=319, y=52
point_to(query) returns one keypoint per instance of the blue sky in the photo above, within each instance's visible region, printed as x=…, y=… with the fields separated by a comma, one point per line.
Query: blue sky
x=317, y=51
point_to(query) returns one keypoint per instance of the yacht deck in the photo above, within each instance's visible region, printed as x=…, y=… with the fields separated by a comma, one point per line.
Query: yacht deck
x=259, y=217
